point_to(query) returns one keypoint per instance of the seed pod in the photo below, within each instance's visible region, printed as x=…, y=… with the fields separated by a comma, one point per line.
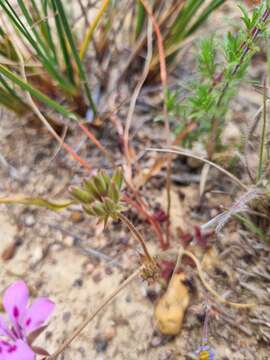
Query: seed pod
x=109, y=205
x=105, y=177
x=91, y=188
x=100, y=184
x=99, y=209
x=89, y=210
x=81, y=195
x=118, y=177
x=114, y=192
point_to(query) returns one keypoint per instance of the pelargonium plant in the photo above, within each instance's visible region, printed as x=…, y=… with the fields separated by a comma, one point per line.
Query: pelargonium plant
x=25, y=323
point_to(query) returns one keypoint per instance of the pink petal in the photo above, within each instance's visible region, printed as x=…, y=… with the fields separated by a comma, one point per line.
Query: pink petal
x=18, y=351
x=37, y=314
x=4, y=330
x=15, y=300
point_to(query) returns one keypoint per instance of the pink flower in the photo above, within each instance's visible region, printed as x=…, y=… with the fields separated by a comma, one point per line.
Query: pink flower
x=24, y=320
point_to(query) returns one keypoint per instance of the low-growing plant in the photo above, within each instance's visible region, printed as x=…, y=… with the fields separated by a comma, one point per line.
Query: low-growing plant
x=54, y=70
x=221, y=66
x=101, y=196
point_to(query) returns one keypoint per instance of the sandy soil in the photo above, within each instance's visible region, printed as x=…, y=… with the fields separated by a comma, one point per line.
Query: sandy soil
x=67, y=257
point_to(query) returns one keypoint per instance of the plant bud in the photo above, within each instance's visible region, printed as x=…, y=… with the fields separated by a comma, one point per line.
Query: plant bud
x=89, y=210
x=99, y=209
x=105, y=177
x=100, y=184
x=114, y=192
x=109, y=205
x=118, y=177
x=91, y=188
x=81, y=195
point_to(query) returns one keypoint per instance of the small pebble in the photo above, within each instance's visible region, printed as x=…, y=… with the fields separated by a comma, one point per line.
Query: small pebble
x=76, y=216
x=108, y=270
x=66, y=316
x=156, y=341
x=68, y=240
x=9, y=251
x=109, y=333
x=78, y=283
x=97, y=277
x=29, y=220
x=166, y=355
x=101, y=344
x=89, y=268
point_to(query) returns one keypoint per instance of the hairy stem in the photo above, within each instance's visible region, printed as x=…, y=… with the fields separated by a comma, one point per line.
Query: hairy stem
x=137, y=235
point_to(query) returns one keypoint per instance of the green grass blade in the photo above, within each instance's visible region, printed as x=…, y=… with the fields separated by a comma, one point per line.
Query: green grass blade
x=36, y=93
x=62, y=40
x=140, y=18
x=179, y=27
x=12, y=102
x=8, y=9
x=253, y=228
x=46, y=30
x=33, y=22
x=8, y=88
x=210, y=8
x=58, y=4
x=48, y=64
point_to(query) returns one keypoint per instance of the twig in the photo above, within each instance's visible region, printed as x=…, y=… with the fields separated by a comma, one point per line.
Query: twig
x=84, y=13
x=106, y=302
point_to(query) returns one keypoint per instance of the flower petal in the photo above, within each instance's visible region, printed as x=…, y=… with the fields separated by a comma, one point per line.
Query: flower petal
x=18, y=351
x=37, y=314
x=15, y=300
x=4, y=330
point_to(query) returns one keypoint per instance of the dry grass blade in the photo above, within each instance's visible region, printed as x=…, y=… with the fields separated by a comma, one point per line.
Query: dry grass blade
x=101, y=307
x=213, y=292
x=142, y=178
x=44, y=120
x=203, y=180
x=35, y=201
x=240, y=205
x=91, y=29
x=136, y=94
x=192, y=155
x=180, y=253
x=164, y=81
